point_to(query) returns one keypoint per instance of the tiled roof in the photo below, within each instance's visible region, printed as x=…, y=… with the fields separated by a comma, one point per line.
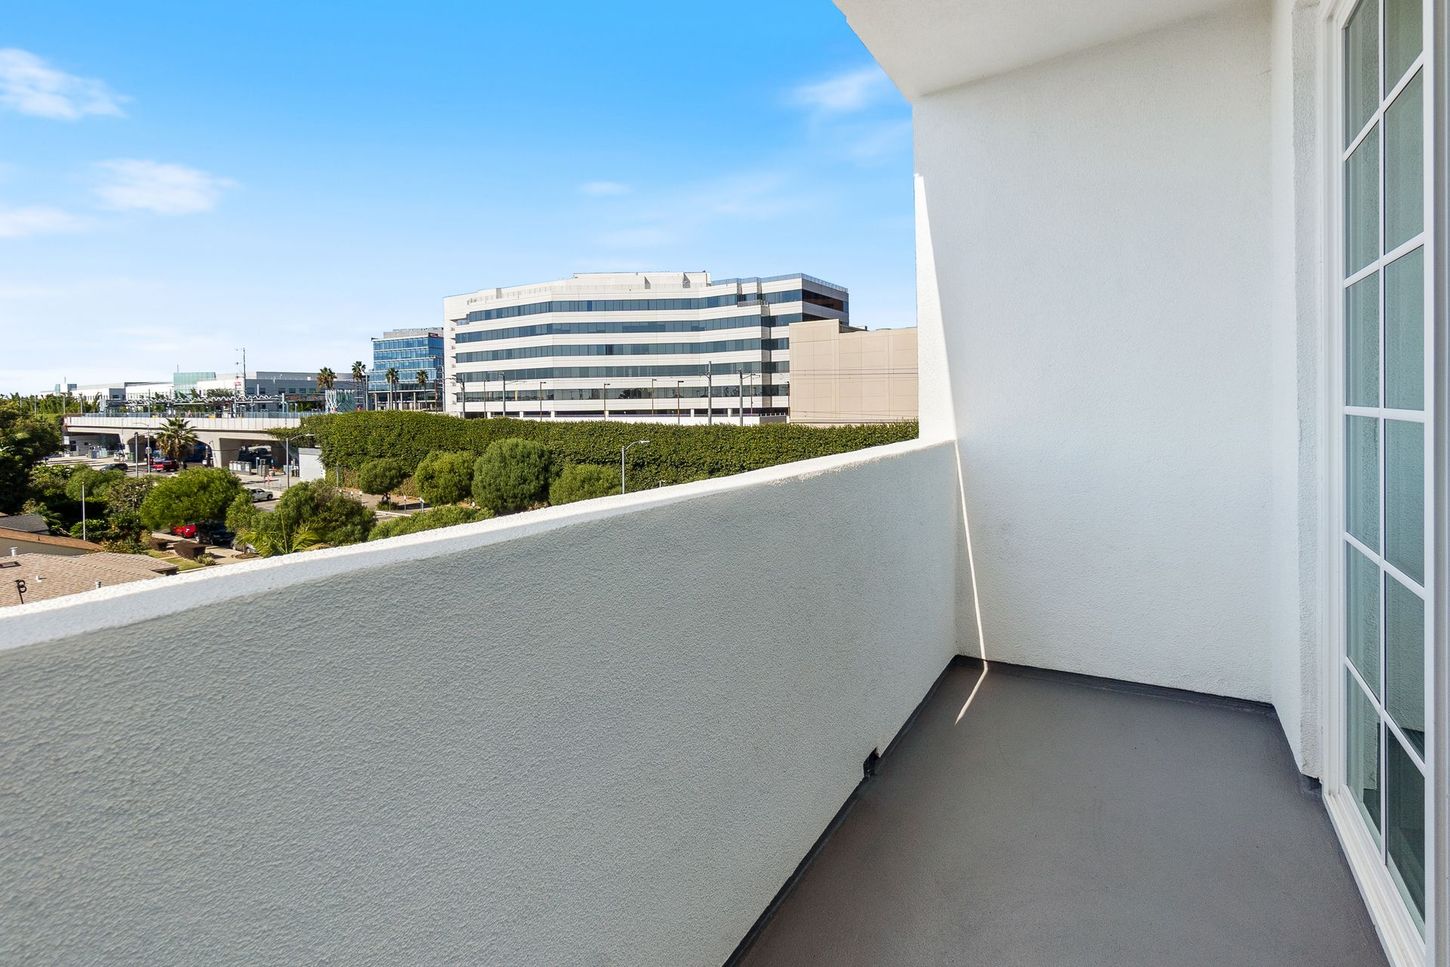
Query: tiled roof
x=43, y=540
x=52, y=576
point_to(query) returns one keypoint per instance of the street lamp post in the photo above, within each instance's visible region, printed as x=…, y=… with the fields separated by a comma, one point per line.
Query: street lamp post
x=606, y=401
x=622, y=451
x=541, y=399
x=678, y=384
x=651, y=397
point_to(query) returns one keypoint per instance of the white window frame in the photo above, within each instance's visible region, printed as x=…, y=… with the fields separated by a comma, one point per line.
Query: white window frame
x=1403, y=942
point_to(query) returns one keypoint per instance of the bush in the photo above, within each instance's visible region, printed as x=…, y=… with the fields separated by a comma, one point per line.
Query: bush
x=445, y=477
x=512, y=475
x=582, y=481
x=675, y=454
x=195, y=494
x=309, y=514
x=448, y=516
x=382, y=475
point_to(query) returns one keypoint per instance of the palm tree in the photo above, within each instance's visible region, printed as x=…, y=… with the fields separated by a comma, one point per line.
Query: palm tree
x=326, y=378
x=392, y=377
x=421, y=378
x=359, y=376
x=176, y=439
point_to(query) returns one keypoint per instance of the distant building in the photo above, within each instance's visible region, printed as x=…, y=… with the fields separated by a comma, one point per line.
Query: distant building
x=841, y=375
x=409, y=351
x=633, y=345
x=182, y=383
x=24, y=523
x=40, y=577
x=13, y=542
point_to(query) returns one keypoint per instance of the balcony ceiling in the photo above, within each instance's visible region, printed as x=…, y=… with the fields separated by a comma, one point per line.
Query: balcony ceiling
x=930, y=45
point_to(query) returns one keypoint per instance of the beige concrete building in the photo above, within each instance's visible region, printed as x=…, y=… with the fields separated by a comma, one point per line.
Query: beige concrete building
x=840, y=374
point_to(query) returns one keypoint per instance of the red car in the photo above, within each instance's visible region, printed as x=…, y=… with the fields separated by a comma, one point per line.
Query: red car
x=163, y=463
x=184, y=530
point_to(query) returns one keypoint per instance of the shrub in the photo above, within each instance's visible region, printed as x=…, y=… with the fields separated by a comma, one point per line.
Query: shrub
x=195, y=494
x=447, y=516
x=382, y=475
x=582, y=481
x=309, y=514
x=445, y=477
x=675, y=454
x=512, y=475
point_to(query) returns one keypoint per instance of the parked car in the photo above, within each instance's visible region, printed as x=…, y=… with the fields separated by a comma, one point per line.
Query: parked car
x=184, y=530
x=258, y=494
x=215, y=533
x=163, y=464
x=118, y=465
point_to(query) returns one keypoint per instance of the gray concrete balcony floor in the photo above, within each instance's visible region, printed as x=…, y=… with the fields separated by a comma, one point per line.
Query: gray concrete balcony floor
x=1070, y=820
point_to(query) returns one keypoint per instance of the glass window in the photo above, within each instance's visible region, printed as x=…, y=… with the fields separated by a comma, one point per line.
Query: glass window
x=1361, y=67
x=1404, y=166
x=1405, y=497
x=1362, y=343
x=1362, y=204
x=1403, y=24
x=1405, y=660
x=1405, y=826
x=1362, y=751
x=1404, y=331
x=1362, y=616
x=1362, y=479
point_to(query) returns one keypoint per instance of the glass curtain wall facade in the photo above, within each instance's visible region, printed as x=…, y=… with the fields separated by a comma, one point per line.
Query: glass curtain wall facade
x=406, y=353
x=658, y=345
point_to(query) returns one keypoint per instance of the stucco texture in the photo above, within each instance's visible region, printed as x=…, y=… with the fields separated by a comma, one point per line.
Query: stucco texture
x=1098, y=227
x=603, y=739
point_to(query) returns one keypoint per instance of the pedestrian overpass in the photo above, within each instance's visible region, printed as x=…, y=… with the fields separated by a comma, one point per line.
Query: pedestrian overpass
x=225, y=435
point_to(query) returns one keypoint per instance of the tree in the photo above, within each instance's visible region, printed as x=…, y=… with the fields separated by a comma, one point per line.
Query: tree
x=382, y=476
x=127, y=494
x=326, y=378
x=309, y=515
x=193, y=495
x=359, y=376
x=445, y=477
x=449, y=516
x=392, y=377
x=583, y=481
x=176, y=438
x=421, y=379
x=512, y=475
x=25, y=441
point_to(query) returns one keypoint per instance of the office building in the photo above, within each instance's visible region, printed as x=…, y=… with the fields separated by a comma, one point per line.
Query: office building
x=409, y=352
x=842, y=375
x=679, y=345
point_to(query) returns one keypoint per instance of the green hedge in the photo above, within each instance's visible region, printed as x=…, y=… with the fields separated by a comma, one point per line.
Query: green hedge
x=675, y=454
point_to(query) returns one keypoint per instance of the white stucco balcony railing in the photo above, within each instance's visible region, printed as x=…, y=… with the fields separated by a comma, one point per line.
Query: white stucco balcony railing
x=599, y=733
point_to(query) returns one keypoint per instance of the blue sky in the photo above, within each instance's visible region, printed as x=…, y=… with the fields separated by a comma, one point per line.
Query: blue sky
x=181, y=179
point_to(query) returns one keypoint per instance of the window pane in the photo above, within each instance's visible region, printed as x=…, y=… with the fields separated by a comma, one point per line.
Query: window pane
x=1405, y=803
x=1404, y=331
x=1403, y=20
x=1362, y=751
x=1405, y=166
x=1362, y=479
x=1362, y=343
x=1405, y=497
x=1405, y=660
x=1362, y=204
x=1362, y=616
x=1361, y=67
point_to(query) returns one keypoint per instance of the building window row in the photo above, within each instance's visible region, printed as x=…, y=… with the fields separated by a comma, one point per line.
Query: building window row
x=625, y=349
x=654, y=305
x=628, y=372
x=664, y=393
x=602, y=327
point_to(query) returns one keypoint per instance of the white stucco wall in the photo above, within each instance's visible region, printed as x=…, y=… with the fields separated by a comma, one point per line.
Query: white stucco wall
x=596, y=734
x=1099, y=234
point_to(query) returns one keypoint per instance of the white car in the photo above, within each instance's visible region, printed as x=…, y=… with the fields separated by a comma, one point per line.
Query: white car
x=258, y=494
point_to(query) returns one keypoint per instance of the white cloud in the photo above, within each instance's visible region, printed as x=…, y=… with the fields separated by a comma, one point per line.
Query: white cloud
x=604, y=188
x=877, y=142
x=152, y=186
x=845, y=93
x=29, y=85
x=37, y=220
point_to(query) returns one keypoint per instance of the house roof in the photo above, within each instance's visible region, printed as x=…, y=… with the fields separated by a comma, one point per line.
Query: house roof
x=49, y=576
x=27, y=523
x=9, y=535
